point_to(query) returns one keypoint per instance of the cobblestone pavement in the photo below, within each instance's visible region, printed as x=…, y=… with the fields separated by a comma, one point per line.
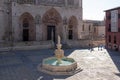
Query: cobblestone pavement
x=96, y=65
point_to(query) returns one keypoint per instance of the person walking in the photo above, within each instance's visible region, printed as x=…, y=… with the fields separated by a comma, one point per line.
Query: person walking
x=101, y=47
x=98, y=47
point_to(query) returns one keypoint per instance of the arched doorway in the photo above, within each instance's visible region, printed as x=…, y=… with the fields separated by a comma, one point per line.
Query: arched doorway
x=52, y=20
x=28, y=30
x=25, y=25
x=72, y=28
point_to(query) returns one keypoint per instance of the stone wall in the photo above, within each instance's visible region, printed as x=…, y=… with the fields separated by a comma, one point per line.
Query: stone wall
x=78, y=43
x=19, y=9
x=10, y=23
x=63, y=3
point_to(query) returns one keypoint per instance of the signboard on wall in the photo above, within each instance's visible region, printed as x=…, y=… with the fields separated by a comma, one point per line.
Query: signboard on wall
x=114, y=21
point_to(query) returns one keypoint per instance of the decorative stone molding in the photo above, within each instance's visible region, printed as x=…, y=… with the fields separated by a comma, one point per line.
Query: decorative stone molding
x=51, y=16
x=37, y=19
x=65, y=21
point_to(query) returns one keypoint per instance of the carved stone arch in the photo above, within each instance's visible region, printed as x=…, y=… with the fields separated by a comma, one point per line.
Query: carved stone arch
x=52, y=21
x=73, y=21
x=72, y=28
x=27, y=27
x=52, y=16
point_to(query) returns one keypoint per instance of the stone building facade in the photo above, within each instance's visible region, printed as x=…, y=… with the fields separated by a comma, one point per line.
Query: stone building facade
x=40, y=20
x=94, y=31
x=93, y=28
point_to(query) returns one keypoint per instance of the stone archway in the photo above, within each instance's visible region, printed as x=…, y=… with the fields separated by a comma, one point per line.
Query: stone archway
x=28, y=30
x=72, y=28
x=52, y=24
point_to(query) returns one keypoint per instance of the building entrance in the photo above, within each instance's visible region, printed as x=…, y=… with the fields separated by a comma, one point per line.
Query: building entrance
x=25, y=35
x=51, y=33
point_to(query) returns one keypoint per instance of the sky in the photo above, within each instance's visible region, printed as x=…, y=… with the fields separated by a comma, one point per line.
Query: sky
x=94, y=9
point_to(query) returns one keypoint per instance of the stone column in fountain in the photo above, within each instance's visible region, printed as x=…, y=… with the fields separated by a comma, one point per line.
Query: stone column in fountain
x=59, y=53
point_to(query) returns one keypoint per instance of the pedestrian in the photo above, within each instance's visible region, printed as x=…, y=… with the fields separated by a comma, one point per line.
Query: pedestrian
x=89, y=46
x=98, y=47
x=101, y=47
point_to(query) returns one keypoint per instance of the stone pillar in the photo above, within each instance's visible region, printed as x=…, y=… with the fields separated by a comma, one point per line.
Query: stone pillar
x=64, y=33
x=36, y=2
x=38, y=32
x=16, y=29
x=1, y=24
x=66, y=3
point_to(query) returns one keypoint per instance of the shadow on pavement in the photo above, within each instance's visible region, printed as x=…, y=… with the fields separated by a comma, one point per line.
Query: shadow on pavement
x=22, y=65
x=115, y=56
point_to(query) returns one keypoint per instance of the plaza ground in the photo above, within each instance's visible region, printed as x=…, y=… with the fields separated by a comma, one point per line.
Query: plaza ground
x=96, y=65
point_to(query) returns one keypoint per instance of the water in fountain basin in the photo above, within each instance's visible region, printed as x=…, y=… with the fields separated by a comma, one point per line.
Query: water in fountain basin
x=54, y=62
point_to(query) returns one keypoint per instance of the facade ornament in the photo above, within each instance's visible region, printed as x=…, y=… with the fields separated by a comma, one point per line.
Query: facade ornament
x=37, y=19
x=65, y=21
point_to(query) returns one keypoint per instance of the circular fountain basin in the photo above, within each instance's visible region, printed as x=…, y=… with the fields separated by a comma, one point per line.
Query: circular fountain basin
x=51, y=65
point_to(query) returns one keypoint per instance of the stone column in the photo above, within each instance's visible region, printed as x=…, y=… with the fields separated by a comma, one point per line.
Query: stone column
x=64, y=34
x=36, y=2
x=66, y=3
x=38, y=32
x=1, y=24
x=16, y=29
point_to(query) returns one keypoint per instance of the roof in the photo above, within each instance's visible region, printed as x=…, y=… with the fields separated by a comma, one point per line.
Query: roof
x=95, y=22
x=112, y=9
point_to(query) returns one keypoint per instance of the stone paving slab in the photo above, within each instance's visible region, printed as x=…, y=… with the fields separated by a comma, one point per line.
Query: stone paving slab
x=96, y=65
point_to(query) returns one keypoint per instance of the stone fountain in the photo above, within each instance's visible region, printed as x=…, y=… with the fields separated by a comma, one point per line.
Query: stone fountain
x=58, y=65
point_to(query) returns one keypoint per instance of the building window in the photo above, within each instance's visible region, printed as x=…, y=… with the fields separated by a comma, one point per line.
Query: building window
x=115, y=40
x=109, y=38
x=109, y=28
x=94, y=29
x=89, y=27
x=108, y=17
x=83, y=27
x=118, y=29
x=119, y=16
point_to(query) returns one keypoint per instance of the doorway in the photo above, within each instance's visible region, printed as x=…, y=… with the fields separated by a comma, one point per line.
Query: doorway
x=70, y=36
x=51, y=33
x=25, y=35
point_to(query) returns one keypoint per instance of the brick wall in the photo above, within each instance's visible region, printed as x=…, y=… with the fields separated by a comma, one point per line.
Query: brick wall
x=114, y=45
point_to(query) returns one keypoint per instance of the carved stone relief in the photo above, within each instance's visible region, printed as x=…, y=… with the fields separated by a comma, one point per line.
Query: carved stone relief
x=51, y=16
